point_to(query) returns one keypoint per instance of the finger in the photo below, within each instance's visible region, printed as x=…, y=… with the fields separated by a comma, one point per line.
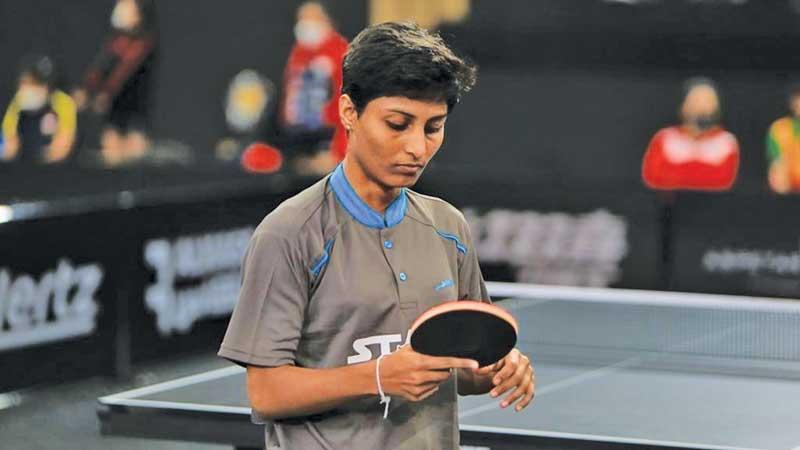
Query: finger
x=435, y=376
x=511, y=381
x=429, y=393
x=519, y=392
x=404, y=349
x=438, y=362
x=486, y=370
x=529, y=396
x=510, y=364
x=424, y=394
x=491, y=368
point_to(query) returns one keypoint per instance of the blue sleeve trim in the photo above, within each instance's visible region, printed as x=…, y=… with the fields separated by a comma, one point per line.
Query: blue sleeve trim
x=317, y=267
x=459, y=246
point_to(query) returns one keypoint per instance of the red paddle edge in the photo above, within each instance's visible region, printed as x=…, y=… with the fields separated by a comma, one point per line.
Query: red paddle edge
x=463, y=305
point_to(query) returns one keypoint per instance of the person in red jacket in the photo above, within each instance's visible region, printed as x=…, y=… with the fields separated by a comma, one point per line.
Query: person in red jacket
x=698, y=154
x=312, y=85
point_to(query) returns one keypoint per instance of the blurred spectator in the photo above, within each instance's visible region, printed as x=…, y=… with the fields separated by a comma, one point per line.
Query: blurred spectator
x=118, y=83
x=249, y=108
x=312, y=86
x=39, y=124
x=783, y=148
x=698, y=154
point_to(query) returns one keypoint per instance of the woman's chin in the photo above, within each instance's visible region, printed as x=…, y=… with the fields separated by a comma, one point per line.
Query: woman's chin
x=404, y=180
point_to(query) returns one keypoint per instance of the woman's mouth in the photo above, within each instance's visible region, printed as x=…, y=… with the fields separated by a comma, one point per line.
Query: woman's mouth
x=408, y=169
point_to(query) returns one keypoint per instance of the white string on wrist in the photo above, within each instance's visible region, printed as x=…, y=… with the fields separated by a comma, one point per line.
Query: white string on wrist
x=385, y=399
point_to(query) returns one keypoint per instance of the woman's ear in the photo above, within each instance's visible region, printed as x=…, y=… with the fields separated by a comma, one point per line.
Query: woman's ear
x=347, y=112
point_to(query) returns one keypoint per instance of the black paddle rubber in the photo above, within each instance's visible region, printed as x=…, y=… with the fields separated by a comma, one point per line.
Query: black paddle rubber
x=476, y=335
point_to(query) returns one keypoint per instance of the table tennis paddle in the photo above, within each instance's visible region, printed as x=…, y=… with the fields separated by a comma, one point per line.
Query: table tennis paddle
x=465, y=329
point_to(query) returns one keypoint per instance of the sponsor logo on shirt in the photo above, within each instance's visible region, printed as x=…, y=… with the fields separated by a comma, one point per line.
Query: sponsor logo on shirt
x=364, y=346
x=444, y=284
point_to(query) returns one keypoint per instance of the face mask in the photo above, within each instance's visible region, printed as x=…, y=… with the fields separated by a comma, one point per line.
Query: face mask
x=31, y=99
x=704, y=123
x=122, y=17
x=309, y=33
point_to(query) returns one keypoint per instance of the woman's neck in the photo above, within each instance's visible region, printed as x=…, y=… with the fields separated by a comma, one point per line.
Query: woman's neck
x=375, y=195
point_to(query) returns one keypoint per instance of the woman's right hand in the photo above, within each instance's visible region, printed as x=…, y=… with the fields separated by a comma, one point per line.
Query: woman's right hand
x=414, y=376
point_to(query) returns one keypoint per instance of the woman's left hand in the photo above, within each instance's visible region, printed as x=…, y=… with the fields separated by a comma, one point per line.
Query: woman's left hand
x=513, y=373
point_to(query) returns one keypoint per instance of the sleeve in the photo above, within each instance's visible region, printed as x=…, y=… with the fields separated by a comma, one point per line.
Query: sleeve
x=471, y=285
x=130, y=61
x=337, y=52
x=11, y=119
x=734, y=164
x=292, y=62
x=266, y=324
x=773, y=149
x=653, y=172
x=65, y=109
x=97, y=69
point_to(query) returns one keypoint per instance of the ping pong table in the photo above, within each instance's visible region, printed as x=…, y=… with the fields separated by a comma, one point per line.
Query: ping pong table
x=615, y=369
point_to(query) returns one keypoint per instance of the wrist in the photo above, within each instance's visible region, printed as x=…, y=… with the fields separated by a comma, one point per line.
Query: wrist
x=365, y=374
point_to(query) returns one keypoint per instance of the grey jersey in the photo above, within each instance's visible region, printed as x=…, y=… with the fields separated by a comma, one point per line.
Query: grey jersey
x=327, y=282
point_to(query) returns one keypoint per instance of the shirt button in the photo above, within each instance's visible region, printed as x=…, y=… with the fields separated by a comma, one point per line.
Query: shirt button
x=388, y=244
x=403, y=276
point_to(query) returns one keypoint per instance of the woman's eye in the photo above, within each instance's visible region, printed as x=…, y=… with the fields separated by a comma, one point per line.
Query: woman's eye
x=432, y=130
x=397, y=126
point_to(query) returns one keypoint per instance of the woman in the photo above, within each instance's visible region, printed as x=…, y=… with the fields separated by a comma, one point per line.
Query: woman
x=334, y=277
x=39, y=124
x=698, y=154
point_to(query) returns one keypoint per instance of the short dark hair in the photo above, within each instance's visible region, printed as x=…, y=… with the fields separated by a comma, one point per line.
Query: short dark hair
x=690, y=84
x=40, y=68
x=402, y=59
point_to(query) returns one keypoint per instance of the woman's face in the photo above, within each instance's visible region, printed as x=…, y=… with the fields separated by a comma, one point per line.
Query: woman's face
x=125, y=15
x=795, y=105
x=394, y=138
x=701, y=101
x=32, y=95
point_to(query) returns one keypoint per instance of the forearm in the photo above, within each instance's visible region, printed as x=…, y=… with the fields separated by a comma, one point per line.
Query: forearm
x=61, y=146
x=291, y=391
x=471, y=383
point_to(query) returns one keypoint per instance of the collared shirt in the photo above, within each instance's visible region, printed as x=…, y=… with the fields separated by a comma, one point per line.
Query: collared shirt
x=327, y=281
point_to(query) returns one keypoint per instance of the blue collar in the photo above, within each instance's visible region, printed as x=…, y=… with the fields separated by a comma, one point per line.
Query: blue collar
x=362, y=212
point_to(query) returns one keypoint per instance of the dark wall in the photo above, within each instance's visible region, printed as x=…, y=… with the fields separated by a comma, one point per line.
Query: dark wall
x=651, y=17
x=202, y=45
x=67, y=31
x=205, y=45
x=570, y=91
x=590, y=128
